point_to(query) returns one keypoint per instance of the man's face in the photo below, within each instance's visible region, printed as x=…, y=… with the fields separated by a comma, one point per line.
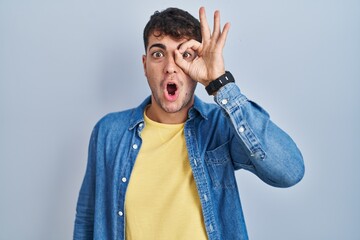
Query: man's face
x=172, y=89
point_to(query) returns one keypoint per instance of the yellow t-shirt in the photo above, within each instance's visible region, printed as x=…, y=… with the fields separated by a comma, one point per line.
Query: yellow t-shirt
x=162, y=202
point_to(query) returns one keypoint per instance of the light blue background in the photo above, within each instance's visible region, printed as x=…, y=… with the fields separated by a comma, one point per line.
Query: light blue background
x=64, y=64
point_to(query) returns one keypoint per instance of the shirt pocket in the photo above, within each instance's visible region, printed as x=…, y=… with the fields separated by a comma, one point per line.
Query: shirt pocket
x=220, y=167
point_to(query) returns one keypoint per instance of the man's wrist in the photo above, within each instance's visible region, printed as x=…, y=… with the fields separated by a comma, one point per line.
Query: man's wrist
x=218, y=83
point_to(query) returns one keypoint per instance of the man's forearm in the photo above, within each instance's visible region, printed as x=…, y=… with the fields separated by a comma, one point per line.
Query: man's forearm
x=271, y=154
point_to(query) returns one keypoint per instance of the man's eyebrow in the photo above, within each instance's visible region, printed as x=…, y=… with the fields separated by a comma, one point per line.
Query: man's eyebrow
x=159, y=45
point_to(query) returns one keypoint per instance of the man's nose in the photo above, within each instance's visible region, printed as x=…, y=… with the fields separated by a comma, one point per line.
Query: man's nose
x=170, y=66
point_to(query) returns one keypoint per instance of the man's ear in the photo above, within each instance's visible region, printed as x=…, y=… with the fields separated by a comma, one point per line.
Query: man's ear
x=144, y=63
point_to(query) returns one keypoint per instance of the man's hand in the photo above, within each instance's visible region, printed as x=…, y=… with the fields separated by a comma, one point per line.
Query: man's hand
x=209, y=63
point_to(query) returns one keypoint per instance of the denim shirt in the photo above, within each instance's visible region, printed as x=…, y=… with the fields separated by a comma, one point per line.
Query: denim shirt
x=233, y=134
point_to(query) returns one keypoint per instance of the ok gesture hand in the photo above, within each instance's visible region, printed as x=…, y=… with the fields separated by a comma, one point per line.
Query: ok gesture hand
x=209, y=63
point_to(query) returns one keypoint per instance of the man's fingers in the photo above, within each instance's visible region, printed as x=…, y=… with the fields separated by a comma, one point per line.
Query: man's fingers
x=205, y=29
x=191, y=44
x=222, y=38
x=216, y=30
x=217, y=37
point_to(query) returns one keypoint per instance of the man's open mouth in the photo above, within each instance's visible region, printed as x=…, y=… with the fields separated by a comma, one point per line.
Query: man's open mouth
x=171, y=88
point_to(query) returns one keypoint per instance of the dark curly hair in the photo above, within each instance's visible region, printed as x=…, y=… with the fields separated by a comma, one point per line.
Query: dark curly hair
x=173, y=22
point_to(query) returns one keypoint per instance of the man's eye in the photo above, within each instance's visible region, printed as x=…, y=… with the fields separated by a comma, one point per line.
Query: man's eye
x=157, y=54
x=187, y=55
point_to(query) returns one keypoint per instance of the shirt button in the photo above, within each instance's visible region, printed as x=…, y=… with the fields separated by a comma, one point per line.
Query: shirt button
x=224, y=101
x=241, y=129
x=120, y=213
x=141, y=125
x=135, y=146
x=211, y=228
x=123, y=179
x=205, y=198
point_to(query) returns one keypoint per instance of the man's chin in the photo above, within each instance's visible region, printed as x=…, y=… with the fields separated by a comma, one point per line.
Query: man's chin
x=171, y=108
x=177, y=106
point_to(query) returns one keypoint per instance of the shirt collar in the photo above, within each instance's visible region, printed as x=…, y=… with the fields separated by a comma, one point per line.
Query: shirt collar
x=198, y=109
x=137, y=115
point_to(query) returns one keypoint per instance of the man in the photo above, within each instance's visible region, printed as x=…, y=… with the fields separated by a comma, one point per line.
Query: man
x=165, y=170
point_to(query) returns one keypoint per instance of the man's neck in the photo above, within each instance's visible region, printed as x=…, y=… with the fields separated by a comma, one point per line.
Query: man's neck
x=157, y=114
